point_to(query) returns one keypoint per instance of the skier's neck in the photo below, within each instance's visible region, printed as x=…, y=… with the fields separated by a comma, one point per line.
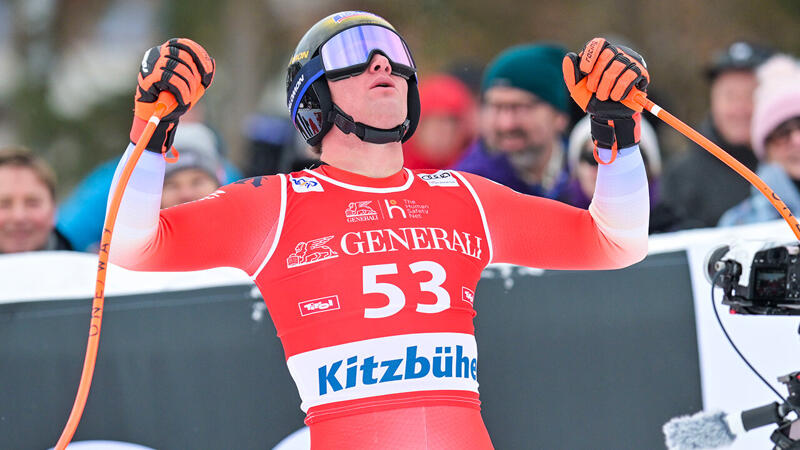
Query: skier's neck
x=348, y=152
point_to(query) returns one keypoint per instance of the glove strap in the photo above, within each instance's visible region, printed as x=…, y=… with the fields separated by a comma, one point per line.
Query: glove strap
x=162, y=138
x=597, y=158
x=615, y=134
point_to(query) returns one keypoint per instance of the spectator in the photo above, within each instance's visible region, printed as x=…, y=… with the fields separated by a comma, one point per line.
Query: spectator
x=583, y=174
x=446, y=127
x=776, y=140
x=198, y=171
x=522, y=120
x=699, y=184
x=81, y=215
x=583, y=167
x=27, y=203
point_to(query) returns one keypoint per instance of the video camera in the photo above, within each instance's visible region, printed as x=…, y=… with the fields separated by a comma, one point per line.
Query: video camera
x=774, y=287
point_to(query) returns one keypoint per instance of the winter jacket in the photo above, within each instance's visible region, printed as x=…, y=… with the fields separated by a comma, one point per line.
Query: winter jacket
x=757, y=208
x=701, y=186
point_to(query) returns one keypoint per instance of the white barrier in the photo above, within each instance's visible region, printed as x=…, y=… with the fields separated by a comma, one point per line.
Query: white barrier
x=770, y=343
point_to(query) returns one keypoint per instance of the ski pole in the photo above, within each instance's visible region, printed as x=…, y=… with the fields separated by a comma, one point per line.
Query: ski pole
x=637, y=100
x=166, y=102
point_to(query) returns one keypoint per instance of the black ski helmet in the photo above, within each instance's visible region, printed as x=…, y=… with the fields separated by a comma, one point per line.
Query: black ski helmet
x=309, y=99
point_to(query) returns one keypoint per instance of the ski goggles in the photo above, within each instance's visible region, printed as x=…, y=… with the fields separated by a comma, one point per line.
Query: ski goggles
x=348, y=53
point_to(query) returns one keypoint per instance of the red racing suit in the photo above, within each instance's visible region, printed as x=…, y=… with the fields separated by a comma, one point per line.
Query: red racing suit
x=370, y=282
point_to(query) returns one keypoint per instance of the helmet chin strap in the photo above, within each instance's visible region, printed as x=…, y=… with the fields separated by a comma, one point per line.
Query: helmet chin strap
x=366, y=133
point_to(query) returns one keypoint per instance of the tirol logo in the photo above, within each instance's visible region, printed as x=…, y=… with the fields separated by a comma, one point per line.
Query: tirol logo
x=310, y=252
x=467, y=294
x=306, y=184
x=360, y=212
x=439, y=178
x=445, y=363
x=319, y=305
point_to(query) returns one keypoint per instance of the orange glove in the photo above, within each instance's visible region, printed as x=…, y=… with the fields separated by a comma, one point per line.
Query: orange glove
x=611, y=72
x=179, y=66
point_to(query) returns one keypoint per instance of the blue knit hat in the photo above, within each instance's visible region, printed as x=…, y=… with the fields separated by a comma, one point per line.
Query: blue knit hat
x=535, y=68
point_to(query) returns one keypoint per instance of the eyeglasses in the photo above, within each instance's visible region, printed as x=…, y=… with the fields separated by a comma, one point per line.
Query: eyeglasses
x=349, y=53
x=515, y=108
x=783, y=132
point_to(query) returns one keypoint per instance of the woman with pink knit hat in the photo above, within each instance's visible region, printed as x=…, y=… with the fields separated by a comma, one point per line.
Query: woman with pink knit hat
x=776, y=141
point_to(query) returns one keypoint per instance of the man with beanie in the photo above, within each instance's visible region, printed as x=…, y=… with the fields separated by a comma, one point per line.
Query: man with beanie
x=523, y=118
x=776, y=141
x=697, y=184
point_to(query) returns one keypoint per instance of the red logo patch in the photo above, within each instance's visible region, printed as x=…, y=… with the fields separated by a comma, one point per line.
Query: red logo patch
x=467, y=295
x=318, y=305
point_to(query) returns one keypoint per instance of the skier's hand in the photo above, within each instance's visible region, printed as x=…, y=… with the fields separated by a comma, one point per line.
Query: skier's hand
x=599, y=78
x=179, y=66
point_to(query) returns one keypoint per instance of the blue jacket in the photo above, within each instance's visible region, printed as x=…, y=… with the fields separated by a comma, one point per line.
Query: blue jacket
x=81, y=216
x=757, y=208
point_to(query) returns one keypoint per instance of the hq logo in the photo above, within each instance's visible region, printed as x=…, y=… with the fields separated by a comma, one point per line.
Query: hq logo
x=365, y=371
x=306, y=184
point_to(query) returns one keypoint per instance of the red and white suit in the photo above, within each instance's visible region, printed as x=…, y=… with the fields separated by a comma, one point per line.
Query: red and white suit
x=370, y=282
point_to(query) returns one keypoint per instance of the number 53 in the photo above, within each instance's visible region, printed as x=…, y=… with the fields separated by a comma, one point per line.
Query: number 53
x=397, y=299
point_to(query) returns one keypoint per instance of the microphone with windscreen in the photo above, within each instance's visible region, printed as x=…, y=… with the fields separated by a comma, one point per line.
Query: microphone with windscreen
x=717, y=429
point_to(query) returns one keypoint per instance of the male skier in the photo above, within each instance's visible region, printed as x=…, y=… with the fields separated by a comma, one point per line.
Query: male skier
x=374, y=304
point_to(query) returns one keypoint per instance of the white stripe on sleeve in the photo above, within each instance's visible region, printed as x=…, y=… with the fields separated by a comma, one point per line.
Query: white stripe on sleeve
x=621, y=204
x=137, y=220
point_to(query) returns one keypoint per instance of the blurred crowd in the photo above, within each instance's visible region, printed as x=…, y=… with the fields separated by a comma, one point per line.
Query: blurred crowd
x=516, y=125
